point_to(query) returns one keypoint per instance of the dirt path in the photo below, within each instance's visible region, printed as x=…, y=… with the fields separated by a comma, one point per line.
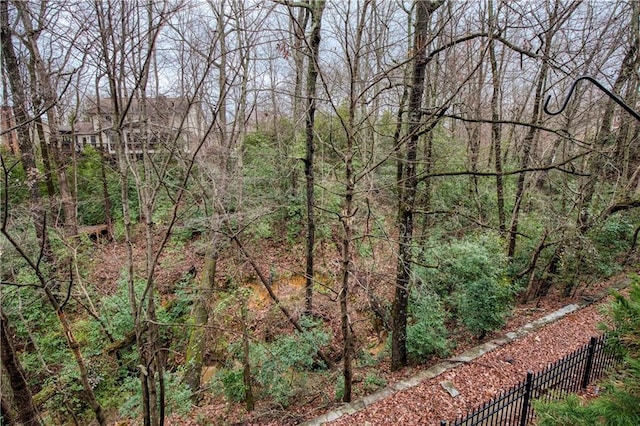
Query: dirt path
x=484, y=377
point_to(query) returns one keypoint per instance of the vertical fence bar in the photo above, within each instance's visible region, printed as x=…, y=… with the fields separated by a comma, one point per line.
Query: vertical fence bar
x=561, y=377
x=589, y=365
x=527, y=397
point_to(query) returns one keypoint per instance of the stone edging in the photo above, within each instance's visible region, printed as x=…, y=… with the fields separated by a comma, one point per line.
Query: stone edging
x=436, y=370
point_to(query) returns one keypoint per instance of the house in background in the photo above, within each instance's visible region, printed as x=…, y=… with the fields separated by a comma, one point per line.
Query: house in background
x=169, y=124
x=161, y=124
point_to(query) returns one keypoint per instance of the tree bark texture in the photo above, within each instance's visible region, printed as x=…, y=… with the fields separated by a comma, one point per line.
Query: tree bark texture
x=27, y=151
x=317, y=8
x=25, y=410
x=408, y=183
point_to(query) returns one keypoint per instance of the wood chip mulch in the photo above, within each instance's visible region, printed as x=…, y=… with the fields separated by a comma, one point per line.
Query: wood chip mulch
x=484, y=378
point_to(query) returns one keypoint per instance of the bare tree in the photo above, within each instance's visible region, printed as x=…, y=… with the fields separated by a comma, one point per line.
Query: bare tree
x=408, y=181
x=558, y=15
x=45, y=92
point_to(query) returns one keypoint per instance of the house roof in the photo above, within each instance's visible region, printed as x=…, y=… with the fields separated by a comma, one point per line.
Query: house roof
x=81, y=128
x=157, y=107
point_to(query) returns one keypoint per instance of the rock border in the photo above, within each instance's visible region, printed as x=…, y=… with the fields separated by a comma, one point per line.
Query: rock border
x=436, y=370
x=465, y=357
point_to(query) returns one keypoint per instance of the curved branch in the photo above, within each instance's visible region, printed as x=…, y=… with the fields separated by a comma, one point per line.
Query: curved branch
x=599, y=86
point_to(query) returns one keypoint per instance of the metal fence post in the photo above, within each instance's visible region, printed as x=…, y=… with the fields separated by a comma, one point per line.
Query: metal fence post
x=589, y=364
x=527, y=398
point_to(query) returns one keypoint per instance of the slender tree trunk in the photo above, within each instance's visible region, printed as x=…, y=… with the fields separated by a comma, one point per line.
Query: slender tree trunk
x=47, y=165
x=408, y=183
x=89, y=394
x=605, y=142
x=47, y=93
x=194, y=359
x=317, y=8
x=26, y=148
x=26, y=412
x=496, y=127
x=72, y=343
x=348, y=210
x=347, y=221
x=246, y=360
x=103, y=170
x=299, y=24
x=276, y=300
x=556, y=19
x=27, y=152
x=475, y=134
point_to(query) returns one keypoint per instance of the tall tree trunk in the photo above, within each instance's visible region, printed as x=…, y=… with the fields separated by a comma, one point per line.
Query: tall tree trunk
x=103, y=169
x=194, y=358
x=317, y=8
x=27, y=151
x=25, y=410
x=246, y=359
x=348, y=210
x=408, y=183
x=47, y=93
x=605, y=142
x=496, y=127
x=557, y=18
x=6, y=412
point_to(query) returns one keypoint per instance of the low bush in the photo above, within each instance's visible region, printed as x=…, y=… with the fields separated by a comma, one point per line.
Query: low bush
x=426, y=331
x=619, y=402
x=278, y=368
x=471, y=279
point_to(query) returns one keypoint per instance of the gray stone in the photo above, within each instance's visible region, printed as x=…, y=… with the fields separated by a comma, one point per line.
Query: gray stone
x=436, y=370
x=449, y=387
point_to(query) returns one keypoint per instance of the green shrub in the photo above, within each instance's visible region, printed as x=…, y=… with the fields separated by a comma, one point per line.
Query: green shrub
x=619, y=403
x=483, y=305
x=177, y=396
x=17, y=184
x=91, y=207
x=426, y=331
x=471, y=280
x=373, y=382
x=233, y=384
x=278, y=368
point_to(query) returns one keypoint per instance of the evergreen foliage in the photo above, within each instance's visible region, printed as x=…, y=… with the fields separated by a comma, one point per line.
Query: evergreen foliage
x=470, y=277
x=279, y=368
x=426, y=333
x=619, y=402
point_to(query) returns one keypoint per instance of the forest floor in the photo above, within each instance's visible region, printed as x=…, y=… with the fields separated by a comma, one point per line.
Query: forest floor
x=485, y=377
x=426, y=403
x=477, y=381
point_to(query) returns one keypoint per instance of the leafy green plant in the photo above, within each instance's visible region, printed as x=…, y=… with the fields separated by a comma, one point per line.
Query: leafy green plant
x=232, y=380
x=373, y=382
x=177, y=394
x=426, y=332
x=471, y=280
x=279, y=368
x=619, y=403
x=365, y=359
x=90, y=186
x=483, y=305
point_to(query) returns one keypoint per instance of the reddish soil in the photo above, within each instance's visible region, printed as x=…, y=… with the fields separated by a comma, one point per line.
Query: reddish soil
x=427, y=403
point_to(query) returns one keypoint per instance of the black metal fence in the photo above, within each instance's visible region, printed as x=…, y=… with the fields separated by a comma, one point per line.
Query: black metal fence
x=568, y=375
